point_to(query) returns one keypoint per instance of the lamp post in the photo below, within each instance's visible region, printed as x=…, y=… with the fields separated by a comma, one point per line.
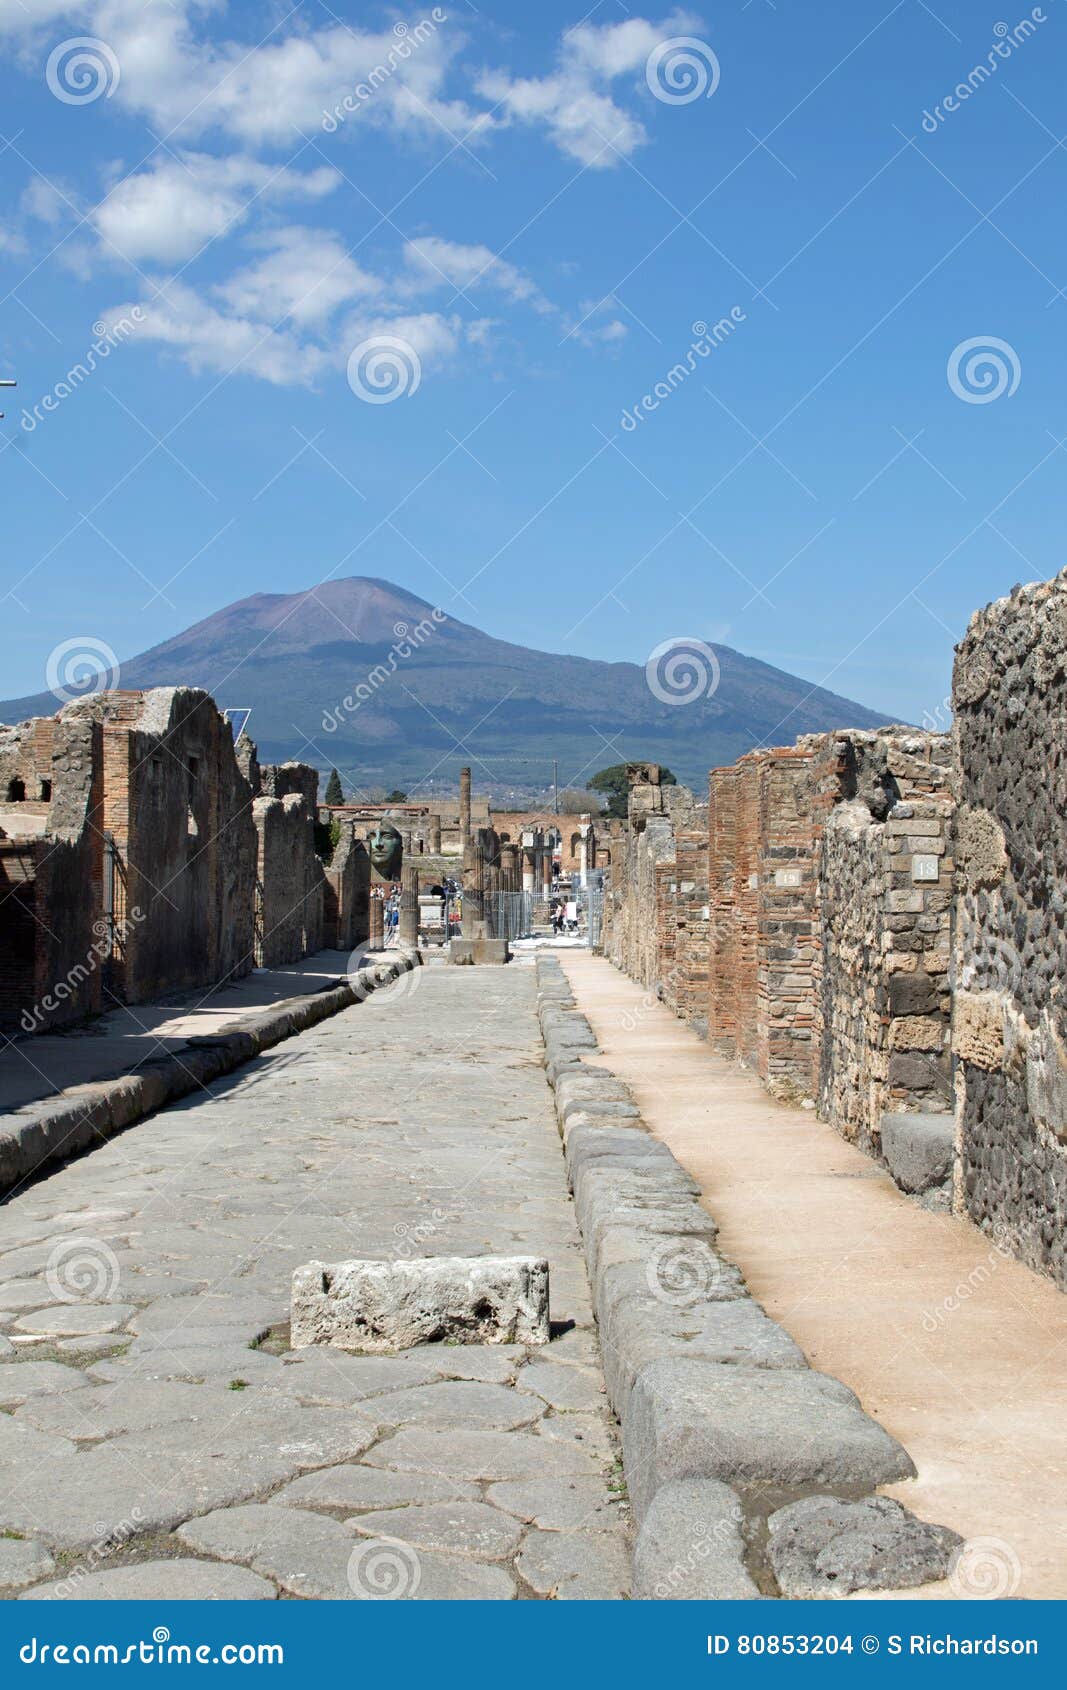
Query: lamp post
x=7, y=384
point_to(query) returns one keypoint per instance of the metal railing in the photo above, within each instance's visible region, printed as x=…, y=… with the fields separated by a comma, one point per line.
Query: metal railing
x=509, y=915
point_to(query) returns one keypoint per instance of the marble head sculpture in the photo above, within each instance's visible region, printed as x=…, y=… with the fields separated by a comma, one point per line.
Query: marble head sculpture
x=386, y=850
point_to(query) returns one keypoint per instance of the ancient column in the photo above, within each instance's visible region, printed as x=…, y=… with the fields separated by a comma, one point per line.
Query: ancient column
x=465, y=813
x=529, y=862
x=375, y=924
x=408, y=930
x=474, y=893
x=546, y=872
x=509, y=873
x=434, y=825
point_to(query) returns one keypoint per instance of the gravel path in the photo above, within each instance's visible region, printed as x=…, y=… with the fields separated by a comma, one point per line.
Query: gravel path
x=158, y=1437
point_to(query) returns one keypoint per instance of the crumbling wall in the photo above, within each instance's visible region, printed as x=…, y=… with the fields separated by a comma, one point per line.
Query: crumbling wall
x=179, y=811
x=884, y=893
x=346, y=893
x=1010, y=1019
x=290, y=879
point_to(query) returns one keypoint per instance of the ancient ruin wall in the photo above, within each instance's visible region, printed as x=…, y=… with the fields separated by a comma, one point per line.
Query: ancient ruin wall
x=884, y=898
x=1010, y=1018
x=290, y=881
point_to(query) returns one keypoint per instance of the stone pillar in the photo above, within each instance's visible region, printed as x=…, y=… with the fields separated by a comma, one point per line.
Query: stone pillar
x=375, y=924
x=529, y=862
x=434, y=825
x=465, y=813
x=509, y=871
x=360, y=894
x=408, y=930
x=474, y=893
x=546, y=872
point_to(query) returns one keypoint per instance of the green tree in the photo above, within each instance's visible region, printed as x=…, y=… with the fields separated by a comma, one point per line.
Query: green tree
x=615, y=787
x=334, y=793
x=396, y=796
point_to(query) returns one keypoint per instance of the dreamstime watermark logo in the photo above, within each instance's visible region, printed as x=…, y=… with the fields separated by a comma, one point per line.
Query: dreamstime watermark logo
x=79, y=667
x=107, y=1541
x=82, y=70
x=408, y=641
x=980, y=1275
x=724, y=1534
x=394, y=979
x=986, y=1569
x=704, y=343
x=106, y=338
x=1007, y=42
x=983, y=369
x=384, y=1569
x=682, y=670
x=682, y=1272
x=110, y=936
x=83, y=1270
x=384, y=368
x=682, y=70
x=407, y=38
x=413, y=1237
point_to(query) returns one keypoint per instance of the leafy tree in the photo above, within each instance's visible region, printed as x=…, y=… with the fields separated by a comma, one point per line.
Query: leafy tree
x=612, y=782
x=396, y=796
x=334, y=792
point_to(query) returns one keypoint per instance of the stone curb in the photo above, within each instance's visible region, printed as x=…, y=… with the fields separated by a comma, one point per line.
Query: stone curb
x=716, y=1402
x=81, y=1116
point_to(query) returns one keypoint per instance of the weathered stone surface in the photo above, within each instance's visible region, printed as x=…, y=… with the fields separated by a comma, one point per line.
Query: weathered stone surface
x=312, y=1556
x=481, y=1455
x=918, y=1149
x=158, y=1581
x=327, y=1375
x=822, y=1546
x=353, y=1487
x=563, y=1387
x=461, y=1403
x=560, y=1504
x=575, y=1566
x=469, y=1528
x=72, y=1319
x=27, y=1379
x=157, y=1478
x=389, y=1306
x=22, y=1560
x=690, y=1547
x=751, y=1426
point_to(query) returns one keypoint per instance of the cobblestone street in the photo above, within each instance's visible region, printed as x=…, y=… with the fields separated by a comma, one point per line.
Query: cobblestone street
x=158, y=1436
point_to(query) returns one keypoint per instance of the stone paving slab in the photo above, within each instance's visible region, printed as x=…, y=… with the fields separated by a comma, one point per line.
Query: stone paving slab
x=409, y=1125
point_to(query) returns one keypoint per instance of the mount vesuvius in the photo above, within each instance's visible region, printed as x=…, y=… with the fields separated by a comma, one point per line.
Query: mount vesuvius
x=362, y=675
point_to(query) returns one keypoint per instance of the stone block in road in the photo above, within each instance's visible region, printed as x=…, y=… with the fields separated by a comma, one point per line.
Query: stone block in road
x=386, y=1306
x=751, y=1426
x=690, y=1548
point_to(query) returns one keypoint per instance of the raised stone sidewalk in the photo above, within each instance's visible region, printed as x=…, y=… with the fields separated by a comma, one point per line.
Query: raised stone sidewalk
x=160, y=1440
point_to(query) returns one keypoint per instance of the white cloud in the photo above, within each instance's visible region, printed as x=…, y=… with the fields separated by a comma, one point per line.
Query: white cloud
x=596, y=325
x=210, y=341
x=183, y=81
x=48, y=201
x=574, y=102
x=305, y=275
x=167, y=213
x=434, y=262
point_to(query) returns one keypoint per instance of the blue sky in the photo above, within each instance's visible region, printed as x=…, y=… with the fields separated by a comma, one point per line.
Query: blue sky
x=516, y=204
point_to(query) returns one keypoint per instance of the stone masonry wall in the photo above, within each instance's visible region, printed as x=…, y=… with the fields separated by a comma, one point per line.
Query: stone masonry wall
x=1010, y=1018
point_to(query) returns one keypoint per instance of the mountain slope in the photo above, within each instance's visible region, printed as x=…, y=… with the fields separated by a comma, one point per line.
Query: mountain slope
x=359, y=674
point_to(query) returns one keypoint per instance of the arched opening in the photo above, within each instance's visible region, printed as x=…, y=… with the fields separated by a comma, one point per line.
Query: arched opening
x=16, y=791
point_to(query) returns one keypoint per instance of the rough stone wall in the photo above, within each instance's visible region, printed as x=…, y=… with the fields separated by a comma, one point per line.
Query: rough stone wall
x=291, y=883
x=346, y=894
x=787, y=941
x=1010, y=1019
x=692, y=924
x=885, y=870
x=51, y=959
x=179, y=811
